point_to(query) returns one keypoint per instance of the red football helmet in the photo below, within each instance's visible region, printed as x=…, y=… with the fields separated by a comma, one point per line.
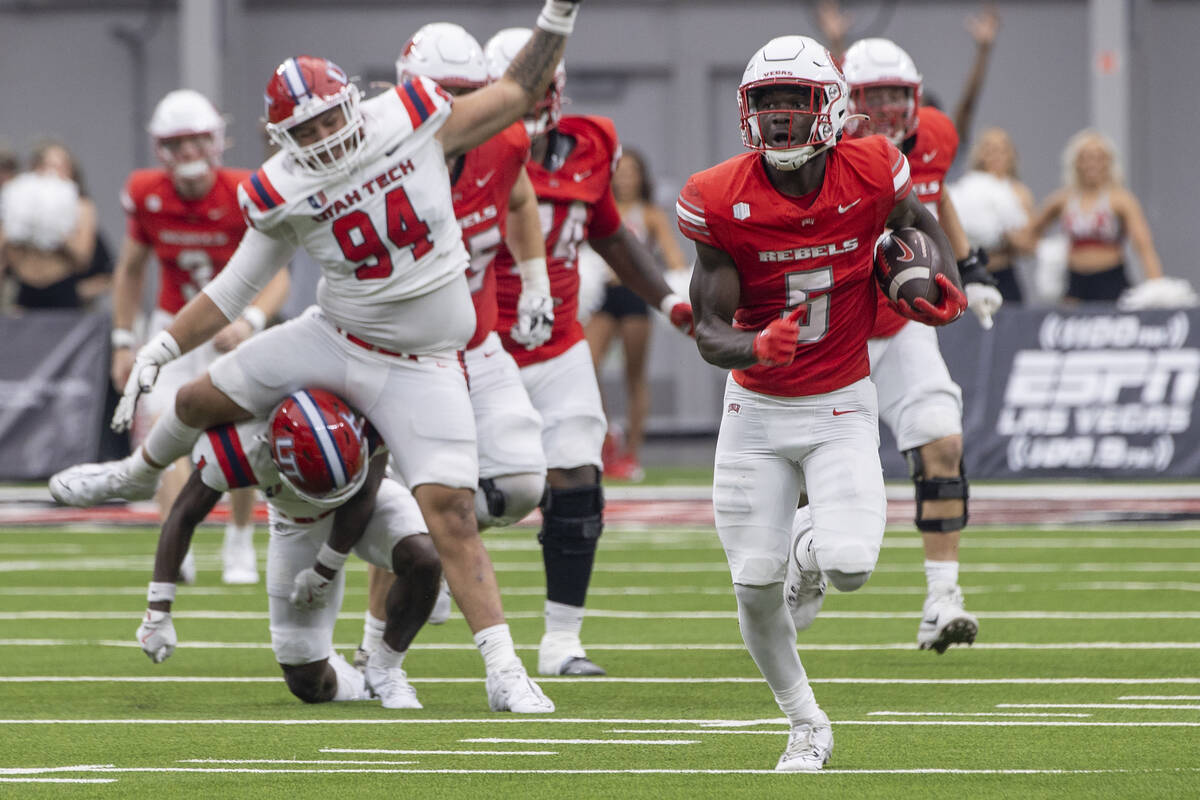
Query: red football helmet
x=305, y=87
x=319, y=447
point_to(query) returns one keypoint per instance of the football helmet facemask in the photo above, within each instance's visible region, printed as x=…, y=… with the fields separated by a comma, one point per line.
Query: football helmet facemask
x=319, y=446
x=301, y=89
x=445, y=53
x=804, y=67
x=185, y=112
x=500, y=51
x=872, y=65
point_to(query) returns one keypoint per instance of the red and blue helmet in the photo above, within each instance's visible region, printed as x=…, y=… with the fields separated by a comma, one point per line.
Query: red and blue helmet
x=305, y=87
x=319, y=445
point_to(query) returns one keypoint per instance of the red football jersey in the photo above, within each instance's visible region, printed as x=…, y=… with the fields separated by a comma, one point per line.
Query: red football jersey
x=788, y=254
x=481, y=206
x=192, y=239
x=576, y=204
x=929, y=159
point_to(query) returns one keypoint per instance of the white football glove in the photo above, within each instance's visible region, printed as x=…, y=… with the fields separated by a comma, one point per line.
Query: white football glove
x=158, y=351
x=985, y=301
x=310, y=590
x=157, y=636
x=535, y=320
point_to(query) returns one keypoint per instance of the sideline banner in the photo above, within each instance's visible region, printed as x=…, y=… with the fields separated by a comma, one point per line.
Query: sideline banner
x=53, y=379
x=1051, y=393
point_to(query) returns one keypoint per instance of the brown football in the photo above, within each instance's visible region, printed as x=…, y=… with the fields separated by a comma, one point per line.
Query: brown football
x=906, y=262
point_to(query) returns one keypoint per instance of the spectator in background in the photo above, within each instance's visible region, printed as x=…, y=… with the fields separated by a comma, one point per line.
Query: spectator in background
x=1097, y=214
x=9, y=165
x=50, y=231
x=625, y=315
x=995, y=208
x=982, y=27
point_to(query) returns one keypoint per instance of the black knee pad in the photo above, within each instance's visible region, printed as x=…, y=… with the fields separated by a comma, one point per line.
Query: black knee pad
x=494, y=497
x=937, y=489
x=572, y=519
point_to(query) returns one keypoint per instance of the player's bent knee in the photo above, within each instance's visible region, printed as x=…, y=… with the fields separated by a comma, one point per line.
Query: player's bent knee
x=508, y=499
x=758, y=598
x=572, y=519
x=315, y=682
x=417, y=557
x=847, y=581
x=933, y=489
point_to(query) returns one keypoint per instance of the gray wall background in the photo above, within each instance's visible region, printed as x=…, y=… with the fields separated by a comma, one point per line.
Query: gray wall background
x=665, y=70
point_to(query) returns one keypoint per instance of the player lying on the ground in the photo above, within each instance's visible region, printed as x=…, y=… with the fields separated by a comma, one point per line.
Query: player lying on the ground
x=311, y=460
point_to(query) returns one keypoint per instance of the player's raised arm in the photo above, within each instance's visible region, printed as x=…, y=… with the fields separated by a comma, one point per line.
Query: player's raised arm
x=480, y=115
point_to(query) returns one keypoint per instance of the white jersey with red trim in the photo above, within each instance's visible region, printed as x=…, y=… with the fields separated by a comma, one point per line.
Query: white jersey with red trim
x=383, y=233
x=239, y=456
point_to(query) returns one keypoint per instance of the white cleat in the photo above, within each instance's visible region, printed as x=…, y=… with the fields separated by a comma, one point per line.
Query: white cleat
x=85, y=485
x=809, y=746
x=240, y=566
x=803, y=590
x=390, y=685
x=441, y=607
x=513, y=690
x=945, y=621
x=563, y=654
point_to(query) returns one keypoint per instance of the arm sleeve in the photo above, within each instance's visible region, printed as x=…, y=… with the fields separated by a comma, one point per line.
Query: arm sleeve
x=250, y=268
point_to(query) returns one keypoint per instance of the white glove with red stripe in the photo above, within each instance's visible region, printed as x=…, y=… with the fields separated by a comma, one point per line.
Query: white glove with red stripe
x=157, y=636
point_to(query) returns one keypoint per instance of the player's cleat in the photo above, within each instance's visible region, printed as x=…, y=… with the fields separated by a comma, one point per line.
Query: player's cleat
x=85, y=485
x=625, y=468
x=803, y=590
x=187, y=569
x=441, y=606
x=809, y=746
x=513, y=690
x=240, y=565
x=563, y=654
x=391, y=686
x=360, y=659
x=945, y=622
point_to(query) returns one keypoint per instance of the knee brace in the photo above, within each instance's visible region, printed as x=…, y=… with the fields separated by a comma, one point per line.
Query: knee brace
x=572, y=519
x=847, y=581
x=936, y=489
x=507, y=499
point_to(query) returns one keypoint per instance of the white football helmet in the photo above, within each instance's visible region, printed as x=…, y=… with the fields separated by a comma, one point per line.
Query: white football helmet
x=881, y=63
x=803, y=64
x=500, y=50
x=185, y=112
x=445, y=53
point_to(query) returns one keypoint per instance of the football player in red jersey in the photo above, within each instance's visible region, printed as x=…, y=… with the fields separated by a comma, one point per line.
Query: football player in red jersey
x=784, y=292
x=925, y=415
x=494, y=202
x=362, y=186
x=571, y=165
x=186, y=215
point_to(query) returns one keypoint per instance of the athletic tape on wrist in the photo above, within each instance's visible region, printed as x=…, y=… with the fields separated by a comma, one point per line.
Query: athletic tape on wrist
x=558, y=17
x=122, y=338
x=160, y=593
x=669, y=302
x=256, y=318
x=331, y=559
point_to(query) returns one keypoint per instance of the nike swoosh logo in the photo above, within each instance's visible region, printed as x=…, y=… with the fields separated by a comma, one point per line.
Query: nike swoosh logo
x=927, y=157
x=837, y=413
x=389, y=152
x=579, y=176
x=489, y=355
x=842, y=209
x=481, y=182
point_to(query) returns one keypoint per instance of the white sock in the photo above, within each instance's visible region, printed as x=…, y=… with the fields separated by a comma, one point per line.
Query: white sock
x=388, y=658
x=496, y=646
x=562, y=618
x=350, y=682
x=372, y=633
x=798, y=703
x=239, y=536
x=169, y=439
x=941, y=573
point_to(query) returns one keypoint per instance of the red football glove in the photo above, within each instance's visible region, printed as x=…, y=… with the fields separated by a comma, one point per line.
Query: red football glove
x=951, y=307
x=679, y=312
x=775, y=345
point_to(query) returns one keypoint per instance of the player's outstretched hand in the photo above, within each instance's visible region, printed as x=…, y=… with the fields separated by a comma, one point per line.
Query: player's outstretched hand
x=149, y=360
x=535, y=320
x=157, y=636
x=984, y=301
x=775, y=345
x=310, y=590
x=950, y=308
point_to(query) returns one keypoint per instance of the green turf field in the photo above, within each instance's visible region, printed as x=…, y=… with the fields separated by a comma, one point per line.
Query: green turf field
x=1085, y=681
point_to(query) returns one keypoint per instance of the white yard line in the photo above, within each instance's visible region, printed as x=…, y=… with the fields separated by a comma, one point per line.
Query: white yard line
x=363, y=751
x=969, y=714
x=496, y=740
x=663, y=681
x=1159, y=697
x=1122, y=706
x=699, y=726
